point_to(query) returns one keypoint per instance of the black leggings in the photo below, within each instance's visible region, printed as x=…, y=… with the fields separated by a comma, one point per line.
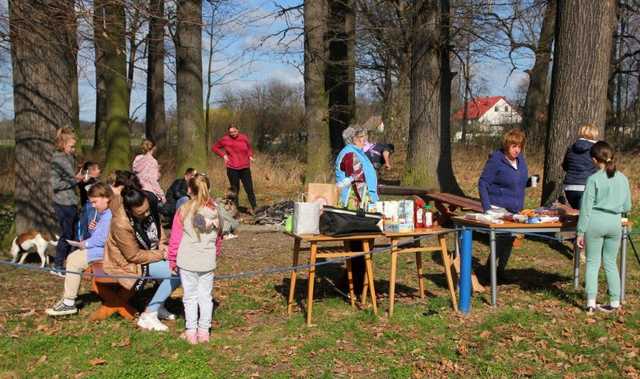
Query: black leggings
x=244, y=175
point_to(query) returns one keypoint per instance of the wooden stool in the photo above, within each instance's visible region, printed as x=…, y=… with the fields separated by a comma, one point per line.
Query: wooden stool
x=114, y=297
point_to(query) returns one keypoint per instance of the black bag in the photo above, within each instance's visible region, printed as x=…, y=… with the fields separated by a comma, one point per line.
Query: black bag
x=340, y=222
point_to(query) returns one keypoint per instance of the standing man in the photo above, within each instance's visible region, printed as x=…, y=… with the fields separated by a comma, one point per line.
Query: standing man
x=235, y=148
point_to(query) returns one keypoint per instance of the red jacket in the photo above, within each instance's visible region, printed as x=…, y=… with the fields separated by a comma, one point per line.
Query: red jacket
x=237, y=149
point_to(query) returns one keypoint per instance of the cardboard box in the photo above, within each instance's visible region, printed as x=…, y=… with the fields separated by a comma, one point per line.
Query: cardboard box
x=323, y=193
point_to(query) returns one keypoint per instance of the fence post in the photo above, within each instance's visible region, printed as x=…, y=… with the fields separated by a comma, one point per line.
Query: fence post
x=465, y=270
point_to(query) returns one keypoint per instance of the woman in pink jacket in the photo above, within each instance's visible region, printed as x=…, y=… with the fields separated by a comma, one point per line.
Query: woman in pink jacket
x=146, y=167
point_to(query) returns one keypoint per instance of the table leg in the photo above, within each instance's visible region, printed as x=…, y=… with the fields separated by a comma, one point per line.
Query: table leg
x=312, y=277
x=352, y=294
x=494, y=279
x=292, y=282
x=623, y=263
x=392, y=280
x=446, y=262
x=369, y=264
x=576, y=265
x=420, y=276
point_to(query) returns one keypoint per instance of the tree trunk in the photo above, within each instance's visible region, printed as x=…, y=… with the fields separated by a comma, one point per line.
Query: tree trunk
x=535, y=105
x=579, y=81
x=100, y=45
x=192, y=148
x=155, y=127
x=446, y=177
x=70, y=32
x=340, y=70
x=42, y=82
x=397, y=110
x=316, y=114
x=117, y=133
x=424, y=128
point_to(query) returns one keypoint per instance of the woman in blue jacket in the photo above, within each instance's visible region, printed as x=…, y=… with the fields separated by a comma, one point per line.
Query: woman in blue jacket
x=502, y=184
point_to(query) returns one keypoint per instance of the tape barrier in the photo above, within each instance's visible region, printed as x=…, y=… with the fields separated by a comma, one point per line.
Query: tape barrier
x=239, y=275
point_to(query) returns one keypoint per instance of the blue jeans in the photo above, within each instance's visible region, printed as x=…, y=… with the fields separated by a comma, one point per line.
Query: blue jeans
x=66, y=215
x=161, y=268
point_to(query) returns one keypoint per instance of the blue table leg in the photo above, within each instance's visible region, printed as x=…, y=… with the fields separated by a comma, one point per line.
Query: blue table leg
x=465, y=270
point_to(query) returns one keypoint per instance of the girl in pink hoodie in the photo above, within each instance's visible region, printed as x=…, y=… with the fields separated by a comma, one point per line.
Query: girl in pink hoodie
x=146, y=167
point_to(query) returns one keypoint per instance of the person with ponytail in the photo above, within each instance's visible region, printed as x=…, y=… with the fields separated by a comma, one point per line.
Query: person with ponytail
x=606, y=197
x=196, y=236
x=147, y=169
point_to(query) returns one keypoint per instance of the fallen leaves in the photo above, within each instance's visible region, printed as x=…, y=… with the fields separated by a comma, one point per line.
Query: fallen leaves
x=97, y=362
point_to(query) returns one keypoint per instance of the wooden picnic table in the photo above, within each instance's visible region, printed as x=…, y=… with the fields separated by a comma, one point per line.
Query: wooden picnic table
x=316, y=251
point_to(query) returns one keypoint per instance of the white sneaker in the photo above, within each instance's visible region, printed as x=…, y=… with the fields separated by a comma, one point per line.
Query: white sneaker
x=164, y=314
x=150, y=321
x=229, y=236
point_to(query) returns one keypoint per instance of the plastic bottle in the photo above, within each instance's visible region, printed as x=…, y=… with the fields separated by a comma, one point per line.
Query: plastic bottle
x=419, y=218
x=428, y=217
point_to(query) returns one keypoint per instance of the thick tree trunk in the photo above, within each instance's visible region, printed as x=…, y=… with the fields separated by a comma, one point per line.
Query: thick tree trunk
x=100, y=45
x=424, y=129
x=535, y=108
x=42, y=82
x=70, y=28
x=316, y=115
x=155, y=127
x=117, y=133
x=579, y=81
x=340, y=71
x=192, y=148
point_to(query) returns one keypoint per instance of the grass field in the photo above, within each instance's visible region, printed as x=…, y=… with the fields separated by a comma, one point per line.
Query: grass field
x=538, y=330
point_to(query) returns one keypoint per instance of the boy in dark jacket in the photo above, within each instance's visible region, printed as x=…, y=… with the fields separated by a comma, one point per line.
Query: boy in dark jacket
x=177, y=190
x=379, y=154
x=578, y=165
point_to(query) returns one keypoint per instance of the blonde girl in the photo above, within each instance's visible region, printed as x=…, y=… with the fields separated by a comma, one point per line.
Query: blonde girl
x=196, y=227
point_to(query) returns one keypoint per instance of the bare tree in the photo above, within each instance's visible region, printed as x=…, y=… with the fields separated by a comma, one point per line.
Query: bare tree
x=316, y=117
x=117, y=135
x=579, y=80
x=192, y=148
x=42, y=82
x=155, y=127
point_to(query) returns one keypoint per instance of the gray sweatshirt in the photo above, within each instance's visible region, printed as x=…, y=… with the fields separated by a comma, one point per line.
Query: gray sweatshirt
x=63, y=179
x=197, y=250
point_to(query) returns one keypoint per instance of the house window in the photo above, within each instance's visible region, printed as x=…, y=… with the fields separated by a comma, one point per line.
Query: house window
x=506, y=108
x=497, y=109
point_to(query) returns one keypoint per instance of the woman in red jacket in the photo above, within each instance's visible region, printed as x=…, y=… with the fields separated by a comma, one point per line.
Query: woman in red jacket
x=235, y=148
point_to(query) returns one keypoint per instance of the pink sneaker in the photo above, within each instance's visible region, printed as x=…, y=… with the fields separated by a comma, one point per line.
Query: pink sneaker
x=189, y=335
x=203, y=336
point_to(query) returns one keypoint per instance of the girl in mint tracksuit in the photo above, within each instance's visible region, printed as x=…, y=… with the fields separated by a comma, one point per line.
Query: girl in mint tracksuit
x=605, y=198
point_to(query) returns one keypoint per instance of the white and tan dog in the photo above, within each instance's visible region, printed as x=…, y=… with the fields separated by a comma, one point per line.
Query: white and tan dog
x=29, y=241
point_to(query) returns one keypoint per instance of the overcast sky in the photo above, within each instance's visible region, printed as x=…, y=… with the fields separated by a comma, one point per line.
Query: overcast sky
x=244, y=57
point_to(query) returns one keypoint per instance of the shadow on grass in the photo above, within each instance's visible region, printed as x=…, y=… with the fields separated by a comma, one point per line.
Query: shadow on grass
x=331, y=281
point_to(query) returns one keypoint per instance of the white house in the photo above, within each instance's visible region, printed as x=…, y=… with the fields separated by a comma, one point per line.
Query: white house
x=489, y=114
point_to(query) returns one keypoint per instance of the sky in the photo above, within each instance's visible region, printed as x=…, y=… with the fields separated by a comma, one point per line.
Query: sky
x=243, y=57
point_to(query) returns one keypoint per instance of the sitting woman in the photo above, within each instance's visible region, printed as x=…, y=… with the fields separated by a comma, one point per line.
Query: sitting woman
x=357, y=183
x=502, y=184
x=136, y=247
x=90, y=250
x=147, y=169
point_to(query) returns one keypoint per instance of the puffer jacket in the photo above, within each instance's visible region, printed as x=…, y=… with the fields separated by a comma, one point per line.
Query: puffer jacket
x=122, y=254
x=577, y=163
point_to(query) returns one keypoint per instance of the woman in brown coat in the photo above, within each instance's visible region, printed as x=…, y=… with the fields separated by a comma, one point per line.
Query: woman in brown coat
x=136, y=246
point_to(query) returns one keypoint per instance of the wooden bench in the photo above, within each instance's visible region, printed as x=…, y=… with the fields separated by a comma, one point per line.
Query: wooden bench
x=114, y=297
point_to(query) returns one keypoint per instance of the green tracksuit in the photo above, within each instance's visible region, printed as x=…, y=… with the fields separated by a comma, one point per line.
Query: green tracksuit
x=603, y=202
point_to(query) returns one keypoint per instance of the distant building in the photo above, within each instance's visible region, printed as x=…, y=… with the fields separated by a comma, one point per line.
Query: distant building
x=489, y=115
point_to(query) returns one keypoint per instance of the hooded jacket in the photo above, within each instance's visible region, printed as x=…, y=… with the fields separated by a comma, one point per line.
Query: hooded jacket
x=501, y=184
x=577, y=163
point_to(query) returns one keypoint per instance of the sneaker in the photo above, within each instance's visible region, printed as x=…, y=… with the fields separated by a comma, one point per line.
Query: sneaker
x=229, y=236
x=164, y=314
x=61, y=309
x=150, y=321
x=57, y=271
x=607, y=308
x=203, y=335
x=190, y=336
x=590, y=310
